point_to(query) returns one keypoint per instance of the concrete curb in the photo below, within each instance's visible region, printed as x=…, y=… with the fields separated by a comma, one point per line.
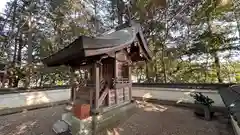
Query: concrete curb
x=9, y=111
x=181, y=104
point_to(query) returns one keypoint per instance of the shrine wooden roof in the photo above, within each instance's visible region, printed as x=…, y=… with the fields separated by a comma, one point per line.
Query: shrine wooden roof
x=90, y=48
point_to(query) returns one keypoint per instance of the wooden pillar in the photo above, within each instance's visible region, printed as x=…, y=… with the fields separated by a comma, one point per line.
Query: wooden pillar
x=115, y=67
x=130, y=81
x=73, y=94
x=97, y=90
x=116, y=76
x=97, y=86
x=91, y=98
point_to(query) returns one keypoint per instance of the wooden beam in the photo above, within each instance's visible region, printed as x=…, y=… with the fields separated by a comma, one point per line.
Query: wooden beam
x=122, y=85
x=103, y=96
x=111, y=54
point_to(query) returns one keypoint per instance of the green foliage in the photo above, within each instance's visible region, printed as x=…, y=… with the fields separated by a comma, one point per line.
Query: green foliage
x=46, y=48
x=200, y=98
x=191, y=41
x=237, y=77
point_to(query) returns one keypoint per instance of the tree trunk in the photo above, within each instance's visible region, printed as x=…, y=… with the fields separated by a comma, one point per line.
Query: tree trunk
x=53, y=79
x=10, y=79
x=214, y=54
x=41, y=80
x=15, y=82
x=95, y=17
x=206, y=70
x=113, y=13
x=156, y=72
x=29, y=52
x=120, y=8
x=164, y=65
x=140, y=74
x=236, y=15
x=15, y=53
x=13, y=7
x=147, y=73
x=20, y=46
x=12, y=31
x=10, y=82
x=218, y=68
x=163, y=47
x=30, y=46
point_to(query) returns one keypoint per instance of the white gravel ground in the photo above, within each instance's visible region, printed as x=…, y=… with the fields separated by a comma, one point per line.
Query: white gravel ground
x=151, y=119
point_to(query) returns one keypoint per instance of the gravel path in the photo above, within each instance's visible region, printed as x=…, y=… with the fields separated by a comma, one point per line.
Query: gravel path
x=151, y=119
x=36, y=122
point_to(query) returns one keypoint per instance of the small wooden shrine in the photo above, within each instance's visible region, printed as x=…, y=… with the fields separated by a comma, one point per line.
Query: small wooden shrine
x=101, y=76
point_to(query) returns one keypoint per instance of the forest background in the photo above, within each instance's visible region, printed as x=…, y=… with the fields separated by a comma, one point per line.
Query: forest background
x=192, y=41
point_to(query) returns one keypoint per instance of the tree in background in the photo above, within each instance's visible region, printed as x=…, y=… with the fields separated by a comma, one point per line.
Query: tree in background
x=191, y=41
